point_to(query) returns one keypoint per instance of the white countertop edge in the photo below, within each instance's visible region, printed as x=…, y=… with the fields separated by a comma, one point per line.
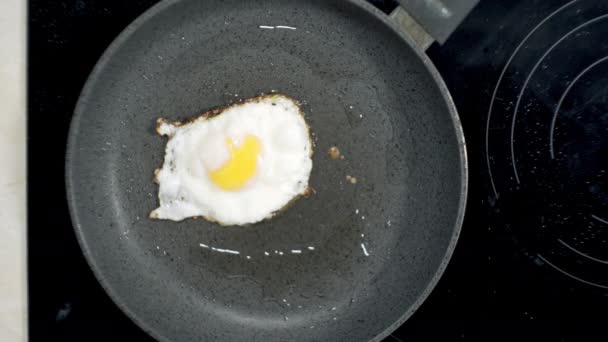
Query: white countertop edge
x=13, y=275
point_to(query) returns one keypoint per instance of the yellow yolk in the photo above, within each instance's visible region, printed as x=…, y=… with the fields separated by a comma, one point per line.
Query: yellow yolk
x=240, y=167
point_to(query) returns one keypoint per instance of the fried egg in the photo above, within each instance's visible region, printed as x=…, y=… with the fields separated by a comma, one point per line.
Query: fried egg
x=237, y=165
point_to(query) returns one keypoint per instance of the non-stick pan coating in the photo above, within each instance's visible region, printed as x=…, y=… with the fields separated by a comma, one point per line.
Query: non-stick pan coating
x=370, y=252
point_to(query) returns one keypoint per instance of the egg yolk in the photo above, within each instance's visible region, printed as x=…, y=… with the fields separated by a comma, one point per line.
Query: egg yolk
x=241, y=165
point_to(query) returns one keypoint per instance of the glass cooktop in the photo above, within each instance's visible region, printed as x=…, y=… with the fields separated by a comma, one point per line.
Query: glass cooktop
x=529, y=80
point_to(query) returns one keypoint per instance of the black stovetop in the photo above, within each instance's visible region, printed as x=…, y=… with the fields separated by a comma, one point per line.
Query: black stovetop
x=527, y=77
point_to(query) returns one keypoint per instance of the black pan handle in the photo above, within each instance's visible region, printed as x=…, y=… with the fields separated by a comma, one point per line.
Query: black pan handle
x=431, y=20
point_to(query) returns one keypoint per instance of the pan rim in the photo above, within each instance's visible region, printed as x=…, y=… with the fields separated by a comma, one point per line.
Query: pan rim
x=464, y=169
x=163, y=5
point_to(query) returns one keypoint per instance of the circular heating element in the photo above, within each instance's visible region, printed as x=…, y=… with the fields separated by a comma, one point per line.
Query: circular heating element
x=547, y=142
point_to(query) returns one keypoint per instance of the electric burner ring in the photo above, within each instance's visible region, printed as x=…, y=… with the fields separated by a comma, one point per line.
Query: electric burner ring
x=560, y=249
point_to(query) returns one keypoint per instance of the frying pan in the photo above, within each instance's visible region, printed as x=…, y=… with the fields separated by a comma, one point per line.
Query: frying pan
x=350, y=263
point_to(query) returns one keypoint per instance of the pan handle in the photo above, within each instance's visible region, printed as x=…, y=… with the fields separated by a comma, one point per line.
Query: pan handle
x=431, y=20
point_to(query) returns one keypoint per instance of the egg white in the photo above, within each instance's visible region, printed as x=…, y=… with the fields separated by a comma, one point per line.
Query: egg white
x=195, y=147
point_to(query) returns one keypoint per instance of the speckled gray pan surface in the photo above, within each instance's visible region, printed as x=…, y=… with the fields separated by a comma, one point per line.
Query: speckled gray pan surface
x=351, y=262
